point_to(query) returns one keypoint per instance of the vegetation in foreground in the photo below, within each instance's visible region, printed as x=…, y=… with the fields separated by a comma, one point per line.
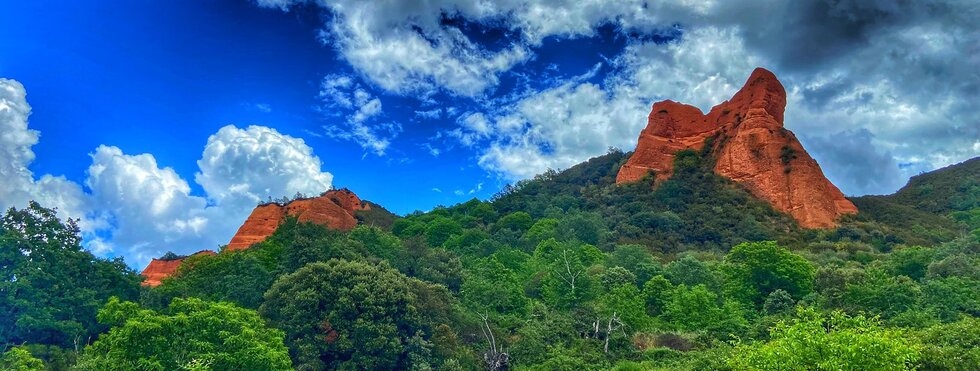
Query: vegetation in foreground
x=564, y=271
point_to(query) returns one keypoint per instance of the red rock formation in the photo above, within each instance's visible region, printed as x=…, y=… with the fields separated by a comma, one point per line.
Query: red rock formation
x=158, y=269
x=750, y=146
x=334, y=209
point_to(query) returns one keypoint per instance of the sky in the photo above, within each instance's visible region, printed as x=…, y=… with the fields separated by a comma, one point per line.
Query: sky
x=161, y=124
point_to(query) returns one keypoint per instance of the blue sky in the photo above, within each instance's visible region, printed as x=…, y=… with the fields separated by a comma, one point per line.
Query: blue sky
x=414, y=105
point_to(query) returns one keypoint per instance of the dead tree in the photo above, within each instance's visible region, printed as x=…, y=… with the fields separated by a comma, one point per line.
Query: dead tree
x=568, y=276
x=611, y=326
x=495, y=358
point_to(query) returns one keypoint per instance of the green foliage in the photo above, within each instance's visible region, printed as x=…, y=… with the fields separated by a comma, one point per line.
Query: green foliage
x=519, y=221
x=951, y=297
x=882, y=294
x=489, y=286
x=754, y=270
x=51, y=288
x=911, y=262
x=440, y=230
x=190, y=334
x=778, y=301
x=626, y=302
x=637, y=260
x=244, y=278
x=690, y=271
x=699, y=309
x=656, y=294
x=344, y=314
x=375, y=216
x=813, y=341
x=562, y=271
x=952, y=346
x=20, y=359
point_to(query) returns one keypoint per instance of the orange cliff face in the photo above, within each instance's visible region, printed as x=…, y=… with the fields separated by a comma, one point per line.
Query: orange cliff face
x=158, y=269
x=749, y=145
x=334, y=209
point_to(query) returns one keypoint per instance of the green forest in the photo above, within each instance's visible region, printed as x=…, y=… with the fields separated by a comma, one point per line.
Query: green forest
x=565, y=271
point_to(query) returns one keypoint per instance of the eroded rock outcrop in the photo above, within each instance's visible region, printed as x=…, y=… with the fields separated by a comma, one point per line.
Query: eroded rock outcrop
x=749, y=145
x=158, y=269
x=334, y=209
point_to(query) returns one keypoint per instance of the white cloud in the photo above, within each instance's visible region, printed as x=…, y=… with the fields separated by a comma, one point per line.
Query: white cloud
x=137, y=209
x=17, y=183
x=249, y=165
x=402, y=47
x=263, y=107
x=431, y=114
x=342, y=96
x=150, y=208
x=902, y=72
x=562, y=126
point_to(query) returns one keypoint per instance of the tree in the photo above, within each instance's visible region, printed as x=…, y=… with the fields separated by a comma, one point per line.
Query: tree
x=881, y=293
x=912, y=262
x=377, y=242
x=690, y=271
x=235, y=276
x=625, y=303
x=344, y=314
x=20, y=359
x=951, y=346
x=542, y=230
x=519, y=221
x=305, y=242
x=777, y=302
x=637, y=260
x=657, y=293
x=564, y=265
x=693, y=308
x=189, y=334
x=814, y=341
x=756, y=269
x=440, y=230
x=490, y=286
x=50, y=288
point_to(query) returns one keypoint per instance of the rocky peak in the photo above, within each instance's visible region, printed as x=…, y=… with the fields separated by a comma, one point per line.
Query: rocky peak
x=749, y=145
x=334, y=209
x=164, y=267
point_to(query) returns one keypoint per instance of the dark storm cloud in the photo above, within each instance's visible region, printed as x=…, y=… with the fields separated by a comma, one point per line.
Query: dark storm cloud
x=850, y=158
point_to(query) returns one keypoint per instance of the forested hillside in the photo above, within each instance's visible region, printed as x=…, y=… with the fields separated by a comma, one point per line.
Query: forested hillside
x=566, y=271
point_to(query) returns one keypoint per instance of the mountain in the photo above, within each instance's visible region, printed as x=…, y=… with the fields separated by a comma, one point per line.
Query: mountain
x=165, y=266
x=950, y=189
x=746, y=140
x=336, y=209
x=932, y=207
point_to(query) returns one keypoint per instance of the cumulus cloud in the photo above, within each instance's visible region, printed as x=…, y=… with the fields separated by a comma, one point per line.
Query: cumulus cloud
x=150, y=209
x=135, y=208
x=17, y=183
x=898, y=76
x=248, y=165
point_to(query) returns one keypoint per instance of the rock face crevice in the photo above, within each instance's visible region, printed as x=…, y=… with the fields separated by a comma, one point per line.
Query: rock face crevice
x=749, y=145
